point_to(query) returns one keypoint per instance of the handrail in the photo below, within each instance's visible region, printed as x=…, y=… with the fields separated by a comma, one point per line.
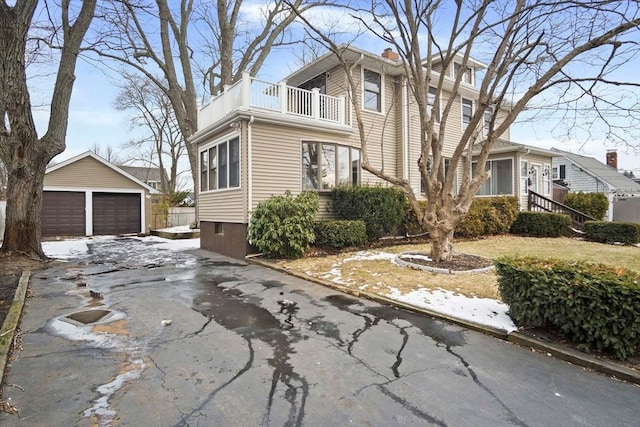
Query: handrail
x=538, y=202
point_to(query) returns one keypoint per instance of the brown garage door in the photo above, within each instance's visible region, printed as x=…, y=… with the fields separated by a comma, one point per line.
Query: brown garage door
x=63, y=213
x=116, y=213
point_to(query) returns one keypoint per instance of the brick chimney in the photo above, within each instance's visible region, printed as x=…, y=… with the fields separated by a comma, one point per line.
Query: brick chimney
x=390, y=54
x=612, y=159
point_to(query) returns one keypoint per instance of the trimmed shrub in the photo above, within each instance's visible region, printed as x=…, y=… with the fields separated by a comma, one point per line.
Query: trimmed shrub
x=612, y=232
x=410, y=224
x=542, y=224
x=595, y=306
x=340, y=233
x=381, y=208
x=593, y=204
x=282, y=226
x=489, y=216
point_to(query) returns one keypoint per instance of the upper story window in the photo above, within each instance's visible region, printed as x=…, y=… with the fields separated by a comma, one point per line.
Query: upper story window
x=326, y=165
x=220, y=165
x=467, y=73
x=431, y=102
x=467, y=112
x=488, y=116
x=372, y=91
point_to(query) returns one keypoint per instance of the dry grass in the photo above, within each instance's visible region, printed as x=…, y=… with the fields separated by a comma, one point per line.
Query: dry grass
x=380, y=275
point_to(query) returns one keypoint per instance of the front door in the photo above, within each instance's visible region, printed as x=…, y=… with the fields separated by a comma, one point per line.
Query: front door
x=534, y=175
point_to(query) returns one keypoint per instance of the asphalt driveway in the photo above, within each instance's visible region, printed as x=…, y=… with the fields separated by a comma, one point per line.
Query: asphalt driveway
x=196, y=339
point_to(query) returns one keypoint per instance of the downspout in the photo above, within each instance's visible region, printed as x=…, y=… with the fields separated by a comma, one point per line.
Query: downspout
x=405, y=131
x=249, y=169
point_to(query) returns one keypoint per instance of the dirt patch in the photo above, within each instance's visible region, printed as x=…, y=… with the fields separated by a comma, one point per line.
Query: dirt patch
x=459, y=262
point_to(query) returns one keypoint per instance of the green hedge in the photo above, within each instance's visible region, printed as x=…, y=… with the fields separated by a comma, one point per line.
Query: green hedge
x=612, y=232
x=542, y=224
x=410, y=224
x=282, y=226
x=596, y=306
x=381, y=208
x=489, y=216
x=340, y=233
x=593, y=204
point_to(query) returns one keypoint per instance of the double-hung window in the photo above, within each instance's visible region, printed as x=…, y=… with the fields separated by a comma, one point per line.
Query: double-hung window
x=467, y=73
x=500, y=181
x=431, y=102
x=326, y=165
x=372, y=91
x=220, y=165
x=488, y=116
x=467, y=112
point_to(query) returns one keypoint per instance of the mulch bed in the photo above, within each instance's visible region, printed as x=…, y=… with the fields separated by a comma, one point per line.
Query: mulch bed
x=8, y=285
x=11, y=268
x=459, y=262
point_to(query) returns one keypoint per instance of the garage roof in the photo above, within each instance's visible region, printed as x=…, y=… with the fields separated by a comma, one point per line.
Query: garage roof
x=90, y=154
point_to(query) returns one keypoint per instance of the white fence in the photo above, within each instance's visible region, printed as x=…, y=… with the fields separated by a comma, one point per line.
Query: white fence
x=180, y=216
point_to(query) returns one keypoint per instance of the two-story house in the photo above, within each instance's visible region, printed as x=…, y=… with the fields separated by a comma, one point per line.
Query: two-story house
x=258, y=139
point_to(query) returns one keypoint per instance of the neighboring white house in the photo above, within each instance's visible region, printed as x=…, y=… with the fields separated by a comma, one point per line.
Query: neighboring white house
x=586, y=174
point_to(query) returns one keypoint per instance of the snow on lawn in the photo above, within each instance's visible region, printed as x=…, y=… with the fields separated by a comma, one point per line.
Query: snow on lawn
x=78, y=248
x=484, y=311
x=66, y=249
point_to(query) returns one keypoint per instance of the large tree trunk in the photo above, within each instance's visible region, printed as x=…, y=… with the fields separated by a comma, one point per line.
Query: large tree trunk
x=25, y=155
x=441, y=243
x=24, y=191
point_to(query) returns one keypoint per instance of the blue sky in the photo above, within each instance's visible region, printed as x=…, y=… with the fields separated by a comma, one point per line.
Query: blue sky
x=94, y=120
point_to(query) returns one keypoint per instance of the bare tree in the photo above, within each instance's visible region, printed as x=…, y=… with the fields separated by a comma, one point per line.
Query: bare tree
x=149, y=36
x=152, y=111
x=532, y=48
x=22, y=151
x=3, y=180
x=107, y=152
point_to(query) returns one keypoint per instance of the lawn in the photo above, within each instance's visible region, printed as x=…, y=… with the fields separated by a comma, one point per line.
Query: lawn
x=375, y=271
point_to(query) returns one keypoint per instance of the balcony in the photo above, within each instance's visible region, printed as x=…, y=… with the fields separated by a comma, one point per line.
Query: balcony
x=258, y=96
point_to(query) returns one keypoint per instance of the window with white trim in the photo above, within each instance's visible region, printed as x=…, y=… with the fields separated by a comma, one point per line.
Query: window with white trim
x=467, y=76
x=488, y=116
x=431, y=102
x=220, y=165
x=467, y=112
x=500, y=181
x=326, y=165
x=546, y=178
x=447, y=165
x=524, y=177
x=372, y=94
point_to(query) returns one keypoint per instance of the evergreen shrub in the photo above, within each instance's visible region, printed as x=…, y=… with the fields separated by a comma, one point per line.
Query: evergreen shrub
x=593, y=305
x=282, y=226
x=542, y=224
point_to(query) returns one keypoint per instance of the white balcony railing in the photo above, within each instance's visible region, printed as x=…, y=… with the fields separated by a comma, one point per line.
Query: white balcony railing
x=251, y=94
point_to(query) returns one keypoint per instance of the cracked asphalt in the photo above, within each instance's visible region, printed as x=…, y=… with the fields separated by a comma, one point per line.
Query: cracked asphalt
x=248, y=346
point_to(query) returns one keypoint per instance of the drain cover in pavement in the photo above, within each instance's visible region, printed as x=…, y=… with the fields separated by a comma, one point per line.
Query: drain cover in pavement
x=88, y=316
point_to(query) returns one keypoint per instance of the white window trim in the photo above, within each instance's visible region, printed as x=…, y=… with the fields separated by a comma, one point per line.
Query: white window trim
x=485, y=131
x=512, y=177
x=382, y=86
x=206, y=147
x=336, y=144
x=547, y=181
x=462, y=98
x=439, y=117
x=472, y=74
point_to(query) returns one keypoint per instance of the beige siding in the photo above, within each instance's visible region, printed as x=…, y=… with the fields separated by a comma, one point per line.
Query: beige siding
x=227, y=205
x=88, y=172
